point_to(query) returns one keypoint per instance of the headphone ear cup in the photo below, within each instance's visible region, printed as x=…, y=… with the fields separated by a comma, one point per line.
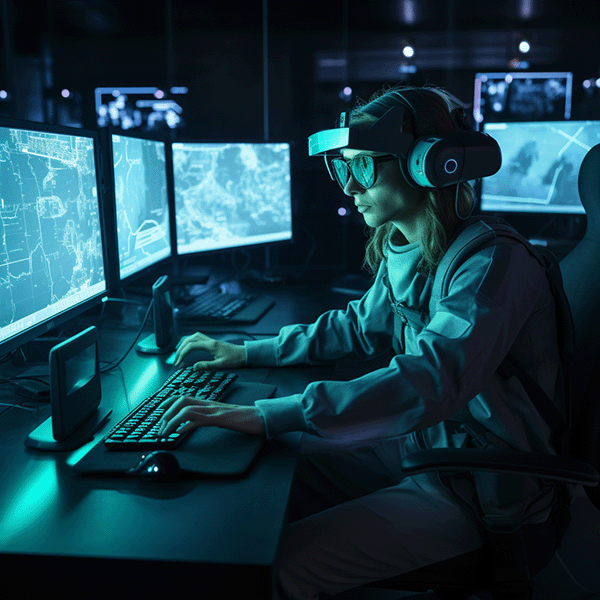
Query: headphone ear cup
x=404, y=169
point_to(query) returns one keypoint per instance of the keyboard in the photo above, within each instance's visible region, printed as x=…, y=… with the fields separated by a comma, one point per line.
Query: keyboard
x=216, y=305
x=139, y=429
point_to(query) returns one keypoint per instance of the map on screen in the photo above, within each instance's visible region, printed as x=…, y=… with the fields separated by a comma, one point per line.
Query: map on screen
x=231, y=194
x=51, y=253
x=142, y=205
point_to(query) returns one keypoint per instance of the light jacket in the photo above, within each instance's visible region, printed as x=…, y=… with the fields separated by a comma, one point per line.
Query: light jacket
x=498, y=298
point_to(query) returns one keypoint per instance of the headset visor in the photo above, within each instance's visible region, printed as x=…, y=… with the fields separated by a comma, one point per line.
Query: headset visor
x=385, y=136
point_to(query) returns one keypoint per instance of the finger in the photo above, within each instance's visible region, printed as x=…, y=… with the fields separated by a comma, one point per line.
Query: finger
x=208, y=365
x=197, y=341
x=178, y=424
x=166, y=404
x=171, y=400
x=188, y=417
x=185, y=346
x=180, y=353
x=184, y=426
x=174, y=405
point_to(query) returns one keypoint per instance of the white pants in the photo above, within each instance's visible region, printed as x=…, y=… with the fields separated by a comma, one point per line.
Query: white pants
x=354, y=519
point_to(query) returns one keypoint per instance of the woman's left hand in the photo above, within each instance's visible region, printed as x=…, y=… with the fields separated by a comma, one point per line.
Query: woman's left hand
x=198, y=413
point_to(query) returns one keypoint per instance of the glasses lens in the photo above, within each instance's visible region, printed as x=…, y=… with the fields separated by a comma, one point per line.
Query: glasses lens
x=340, y=170
x=363, y=170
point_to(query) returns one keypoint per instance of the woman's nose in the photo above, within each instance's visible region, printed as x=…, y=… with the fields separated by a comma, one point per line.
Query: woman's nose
x=351, y=186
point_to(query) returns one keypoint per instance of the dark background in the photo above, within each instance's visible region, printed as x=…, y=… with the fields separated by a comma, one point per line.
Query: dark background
x=221, y=52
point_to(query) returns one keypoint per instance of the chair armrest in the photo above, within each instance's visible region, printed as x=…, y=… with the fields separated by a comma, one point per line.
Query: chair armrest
x=547, y=466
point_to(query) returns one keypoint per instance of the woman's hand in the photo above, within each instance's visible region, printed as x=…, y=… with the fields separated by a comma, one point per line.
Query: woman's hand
x=226, y=355
x=184, y=413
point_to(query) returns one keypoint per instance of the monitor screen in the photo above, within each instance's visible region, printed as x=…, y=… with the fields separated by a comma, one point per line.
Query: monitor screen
x=229, y=195
x=51, y=245
x=540, y=166
x=148, y=109
x=523, y=96
x=141, y=202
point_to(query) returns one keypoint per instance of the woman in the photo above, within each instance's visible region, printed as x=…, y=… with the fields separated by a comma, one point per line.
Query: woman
x=354, y=516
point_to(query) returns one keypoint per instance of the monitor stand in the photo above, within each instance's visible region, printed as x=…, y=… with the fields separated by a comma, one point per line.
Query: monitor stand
x=148, y=346
x=42, y=438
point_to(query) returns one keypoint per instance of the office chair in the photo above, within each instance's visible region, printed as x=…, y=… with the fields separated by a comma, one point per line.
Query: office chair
x=507, y=566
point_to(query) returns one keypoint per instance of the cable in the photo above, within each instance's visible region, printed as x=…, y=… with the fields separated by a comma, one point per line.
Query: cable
x=115, y=365
x=16, y=406
x=456, y=205
x=25, y=377
x=569, y=574
x=7, y=357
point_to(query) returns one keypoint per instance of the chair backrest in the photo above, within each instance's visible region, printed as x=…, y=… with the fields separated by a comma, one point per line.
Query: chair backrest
x=581, y=278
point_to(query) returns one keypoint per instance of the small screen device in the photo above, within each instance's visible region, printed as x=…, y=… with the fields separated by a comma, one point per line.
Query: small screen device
x=75, y=395
x=431, y=161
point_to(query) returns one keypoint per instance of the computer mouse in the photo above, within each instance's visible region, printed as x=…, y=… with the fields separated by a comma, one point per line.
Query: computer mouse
x=159, y=465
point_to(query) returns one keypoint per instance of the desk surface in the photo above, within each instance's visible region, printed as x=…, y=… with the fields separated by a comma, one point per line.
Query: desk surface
x=226, y=530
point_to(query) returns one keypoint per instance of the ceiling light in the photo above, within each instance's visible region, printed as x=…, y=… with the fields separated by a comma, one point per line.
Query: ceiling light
x=524, y=46
x=408, y=51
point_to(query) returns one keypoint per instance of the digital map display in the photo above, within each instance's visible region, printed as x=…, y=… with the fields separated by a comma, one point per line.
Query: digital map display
x=51, y=256
x=142, y=204
x=540, y=165
x=231, y=194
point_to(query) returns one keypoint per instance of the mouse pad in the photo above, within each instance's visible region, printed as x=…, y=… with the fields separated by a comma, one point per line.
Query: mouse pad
x=206, y=451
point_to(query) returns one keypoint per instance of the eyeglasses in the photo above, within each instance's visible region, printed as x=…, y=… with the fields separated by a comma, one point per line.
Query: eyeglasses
x=362, y=168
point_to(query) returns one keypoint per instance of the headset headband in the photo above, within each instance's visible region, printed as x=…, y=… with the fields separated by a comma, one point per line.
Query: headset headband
x=384, y=136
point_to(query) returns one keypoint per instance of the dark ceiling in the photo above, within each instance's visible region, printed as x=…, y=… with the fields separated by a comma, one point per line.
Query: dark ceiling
x=122, y=17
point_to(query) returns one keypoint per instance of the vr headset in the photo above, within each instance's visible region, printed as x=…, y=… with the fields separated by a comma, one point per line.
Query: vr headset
x=431, y=161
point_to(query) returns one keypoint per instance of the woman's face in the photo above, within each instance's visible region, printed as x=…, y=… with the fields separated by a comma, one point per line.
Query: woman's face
x=390, y=199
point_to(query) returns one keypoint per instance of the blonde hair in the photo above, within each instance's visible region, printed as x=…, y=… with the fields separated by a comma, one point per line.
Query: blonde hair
x=441, y=204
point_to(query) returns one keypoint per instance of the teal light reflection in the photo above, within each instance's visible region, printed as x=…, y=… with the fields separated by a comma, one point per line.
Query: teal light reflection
x=37, y=494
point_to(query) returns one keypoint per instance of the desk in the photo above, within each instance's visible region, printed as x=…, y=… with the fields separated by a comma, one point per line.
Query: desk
x=93, y=537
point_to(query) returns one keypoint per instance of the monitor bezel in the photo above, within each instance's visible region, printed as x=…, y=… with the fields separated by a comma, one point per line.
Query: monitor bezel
x=116, y=282
x=197, y=254
x=47, y=325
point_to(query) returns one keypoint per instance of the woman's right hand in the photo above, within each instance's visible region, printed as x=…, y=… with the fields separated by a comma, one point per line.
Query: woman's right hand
x=226, y=355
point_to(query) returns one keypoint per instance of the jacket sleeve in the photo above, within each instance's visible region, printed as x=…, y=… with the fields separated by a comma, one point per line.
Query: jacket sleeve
x=364, y=329
x=447, y=364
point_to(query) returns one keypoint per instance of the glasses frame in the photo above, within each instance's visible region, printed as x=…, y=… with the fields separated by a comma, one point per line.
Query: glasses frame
x=351, y=165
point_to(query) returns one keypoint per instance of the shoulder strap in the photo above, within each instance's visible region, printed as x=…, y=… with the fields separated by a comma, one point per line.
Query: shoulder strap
x=477, y=233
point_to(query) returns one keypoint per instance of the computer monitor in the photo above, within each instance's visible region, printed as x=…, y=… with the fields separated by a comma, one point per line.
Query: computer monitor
x=138, y=210
x=51, y=244
x=522, y=96
x=540, y=166
x=140, y=108
x=231, y=194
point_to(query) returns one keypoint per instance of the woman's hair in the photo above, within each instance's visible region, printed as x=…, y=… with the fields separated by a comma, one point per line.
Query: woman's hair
x=441, y=204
